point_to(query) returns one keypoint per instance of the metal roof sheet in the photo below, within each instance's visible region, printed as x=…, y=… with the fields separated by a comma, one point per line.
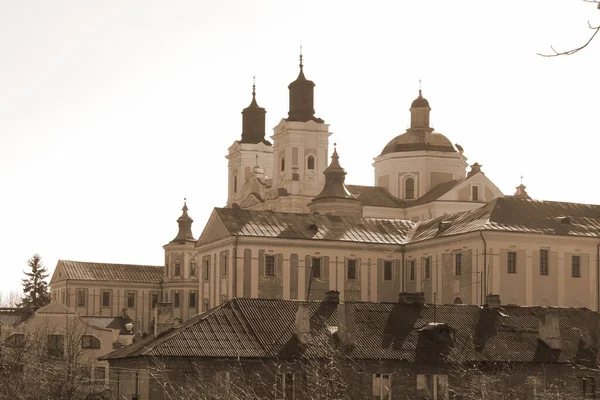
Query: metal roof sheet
x=78, y=270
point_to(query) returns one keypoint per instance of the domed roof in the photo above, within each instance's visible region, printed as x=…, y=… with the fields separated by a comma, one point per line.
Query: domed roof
x=420, y=101
x=419, y=140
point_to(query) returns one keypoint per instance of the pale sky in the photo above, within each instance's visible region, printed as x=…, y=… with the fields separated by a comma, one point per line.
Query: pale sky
x=113, y=111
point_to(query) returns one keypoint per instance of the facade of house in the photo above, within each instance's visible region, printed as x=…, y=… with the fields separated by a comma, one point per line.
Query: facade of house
x=285, y=349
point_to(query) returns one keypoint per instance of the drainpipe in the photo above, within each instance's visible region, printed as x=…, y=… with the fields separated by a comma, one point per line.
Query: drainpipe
x=403, y=270
x=484, y=281
x=598, y=277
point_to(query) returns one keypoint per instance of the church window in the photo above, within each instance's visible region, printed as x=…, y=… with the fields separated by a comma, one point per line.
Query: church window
x=192, y=267
x=206, y=268
x=458, y=264
x=310, y=162
x=224, y=263
x=316, y=267
x=153, y=300
x=427, y=272
x=269, y=265
x=283, y=163
x=351, y=269
x=193, y=299
x=412, y=270
x=544, y=262
x=81, y=297
x=387, y=270
x=130, y=300
x=576, y=267
x=178, y=269
x=234, y=183
x=512, y=262
x=474, y=193
x=177, y=300
x=409, y=188
x=106, y=298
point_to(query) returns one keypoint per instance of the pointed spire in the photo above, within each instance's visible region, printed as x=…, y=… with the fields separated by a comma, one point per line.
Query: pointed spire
x=253, y=120
x=185, y=226
x=302, y=97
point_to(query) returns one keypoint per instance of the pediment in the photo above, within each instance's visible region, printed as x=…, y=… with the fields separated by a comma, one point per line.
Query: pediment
x=213, y=230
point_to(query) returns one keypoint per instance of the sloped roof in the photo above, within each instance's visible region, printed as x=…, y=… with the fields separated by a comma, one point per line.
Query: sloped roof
x=79, y=270
x=264, y=328
x=12, y=316
x=106, y=322
x=375, y=196
x=310, y=226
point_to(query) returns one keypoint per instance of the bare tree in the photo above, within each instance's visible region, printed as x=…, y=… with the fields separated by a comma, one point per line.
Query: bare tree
x=10, y=299
x=595, y=30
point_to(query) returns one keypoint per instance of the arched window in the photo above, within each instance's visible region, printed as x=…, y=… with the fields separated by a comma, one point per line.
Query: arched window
x=235, y=184
x=283, y=163
x=409, y=188
x=310, y=162
x=457, y=300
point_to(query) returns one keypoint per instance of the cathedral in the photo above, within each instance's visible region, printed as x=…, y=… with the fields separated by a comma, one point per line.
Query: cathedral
x=293, y=228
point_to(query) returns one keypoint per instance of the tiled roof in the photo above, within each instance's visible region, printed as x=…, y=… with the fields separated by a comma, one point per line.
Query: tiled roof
x=437, y=192
x=374, y=196
x=106, y=322
x=12, y=316
x=264, y=328
x=310, y=226
x=78, y=270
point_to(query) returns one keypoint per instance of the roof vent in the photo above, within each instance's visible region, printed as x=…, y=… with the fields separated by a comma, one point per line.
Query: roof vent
x=313, y=228
x=443, y=225
x=564, y=220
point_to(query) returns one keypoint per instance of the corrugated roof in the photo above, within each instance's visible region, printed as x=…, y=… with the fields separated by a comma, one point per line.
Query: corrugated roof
x=264, y=328
x=310, y=226
x=12, y=316
x=106, y=322
x=78, y=270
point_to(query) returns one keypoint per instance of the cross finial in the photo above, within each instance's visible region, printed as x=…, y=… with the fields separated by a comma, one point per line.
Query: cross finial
x=301, y=56
x=419, y=87
x=522, y=179
x=253, y=85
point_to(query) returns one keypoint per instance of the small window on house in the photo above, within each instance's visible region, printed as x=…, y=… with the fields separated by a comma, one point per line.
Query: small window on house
x=100, y=374
x=351, y=269
x=432, y=387
x=192, y=267
x=106, y=298
x=154, y=299
x=576, y=267
x=81, y=297
x=177, y=300
x=511, y=262
x=285, y=386
x=269, y=265
x=474, y=193
x=207, y=268
x=178, y=269
x=130, y=299
x=458, y=264
x=412, y=270
x=544, y=262
x=16, y=340
x=90, y=342
x=310, y=163
x=409, y=188
x=55, y=345
x=382, y=386
x=283, y=163
x=387, y=270
x=224, y=265
x=427, y=269
x=192, y=299
x=316, y=267
x=589, y=387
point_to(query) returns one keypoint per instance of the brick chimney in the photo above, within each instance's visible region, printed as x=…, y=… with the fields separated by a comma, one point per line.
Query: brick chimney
x=549, y=331
x=346, y=326
x=332, y=296
x=492, y=300
x=163, y=317
x=302, y=324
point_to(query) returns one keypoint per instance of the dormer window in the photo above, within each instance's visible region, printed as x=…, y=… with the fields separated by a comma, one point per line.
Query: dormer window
x=310, y=163
x=409, y=188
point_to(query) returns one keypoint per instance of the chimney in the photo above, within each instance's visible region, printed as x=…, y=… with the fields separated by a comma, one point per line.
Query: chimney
x=346, y=328
x=419, y=298
x=550, y=329
x=332, y=296
x=163, y=317
x=416, y=298
x=302, y=324
x=492, y=300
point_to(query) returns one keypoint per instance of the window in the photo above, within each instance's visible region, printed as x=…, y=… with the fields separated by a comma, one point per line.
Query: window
x=427, y=269
x=224, y=265
x=432, y=387
x=90, y=342
x=153, y=299
x=310, y=162
x=458, y=300
x=100, y=374
x=283, y=163
x=130, y=299
x=16, y=340
x=412, y=270
x=409, y=188
x=234, y=183
x=176, y=299
x=192, y=267
x=589, y=387
x=177, y=268
x=387, y=270
x=458, y=264
x=511, y=262
x=474, y=193
x=56, y=345
x=351, y=269
x=106, y=298
x=284, y=386
x=192, y=299
x=316, y=267
x=576, y=267
x=543, y=262
x=382, y=386
x=269, y=265
x=81, y=297
x=206, y=268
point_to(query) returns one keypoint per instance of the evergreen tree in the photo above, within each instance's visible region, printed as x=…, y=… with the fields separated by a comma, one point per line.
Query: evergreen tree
x=35, y=287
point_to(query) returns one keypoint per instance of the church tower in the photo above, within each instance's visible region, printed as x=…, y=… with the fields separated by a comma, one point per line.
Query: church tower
x=251, y=151
x=300, y=147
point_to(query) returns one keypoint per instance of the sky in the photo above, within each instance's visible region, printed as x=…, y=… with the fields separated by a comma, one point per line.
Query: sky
x=112, y=112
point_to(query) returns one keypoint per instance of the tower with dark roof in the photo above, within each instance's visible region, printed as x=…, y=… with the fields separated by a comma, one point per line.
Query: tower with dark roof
x=253, y=122
x=302, y=98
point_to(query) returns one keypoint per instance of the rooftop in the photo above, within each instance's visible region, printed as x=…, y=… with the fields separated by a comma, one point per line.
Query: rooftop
x=79, y=270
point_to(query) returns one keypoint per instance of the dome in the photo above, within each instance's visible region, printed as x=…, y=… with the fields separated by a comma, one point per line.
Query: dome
x=415, y=141
x=420, y=102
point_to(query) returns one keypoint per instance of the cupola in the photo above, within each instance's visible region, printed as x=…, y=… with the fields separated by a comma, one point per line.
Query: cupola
x=335, y=198
x=521, y=193
x=253, y=122
x=419, y=113
x=185, y=227
x=302, y=99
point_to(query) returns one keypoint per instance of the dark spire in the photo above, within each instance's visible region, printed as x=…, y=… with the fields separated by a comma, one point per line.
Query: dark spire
x=335, y=177
x=253, y=121
x=185, y=227
x=302, y=97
